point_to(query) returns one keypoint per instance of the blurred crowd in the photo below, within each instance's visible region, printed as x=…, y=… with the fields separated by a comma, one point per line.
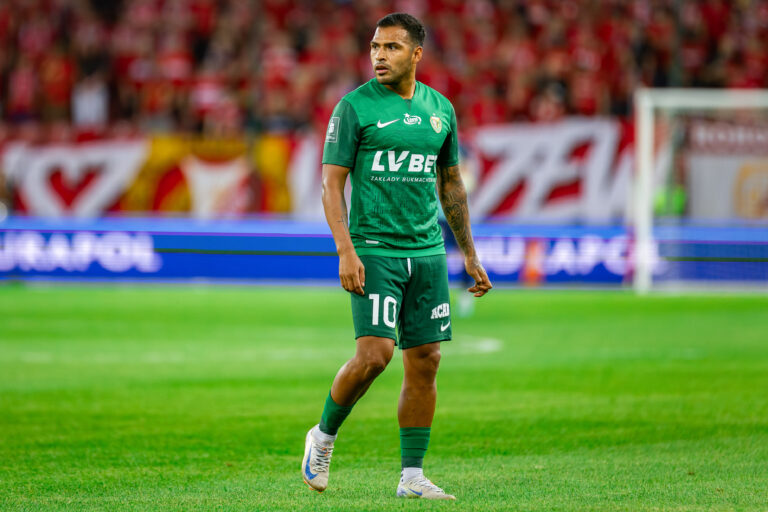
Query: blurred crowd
x=224, y=66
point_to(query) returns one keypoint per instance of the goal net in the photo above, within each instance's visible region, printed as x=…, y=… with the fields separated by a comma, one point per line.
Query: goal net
x=700, y=213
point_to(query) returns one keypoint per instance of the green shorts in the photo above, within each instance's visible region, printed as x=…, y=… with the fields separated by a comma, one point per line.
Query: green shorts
x=406, y=299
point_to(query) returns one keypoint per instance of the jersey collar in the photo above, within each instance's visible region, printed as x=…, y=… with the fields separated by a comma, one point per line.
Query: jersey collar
x=385, y=90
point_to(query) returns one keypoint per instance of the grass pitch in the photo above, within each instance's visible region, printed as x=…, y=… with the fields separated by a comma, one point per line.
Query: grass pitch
x=199, y=399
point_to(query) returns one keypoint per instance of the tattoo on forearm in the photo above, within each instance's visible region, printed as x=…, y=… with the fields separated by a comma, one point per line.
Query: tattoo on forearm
x=453, y=197
x=343, y=220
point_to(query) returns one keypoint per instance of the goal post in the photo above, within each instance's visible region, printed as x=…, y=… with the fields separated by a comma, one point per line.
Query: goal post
x=654, y=152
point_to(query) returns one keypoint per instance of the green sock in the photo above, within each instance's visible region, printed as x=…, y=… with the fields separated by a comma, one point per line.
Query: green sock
x=333, y=416
x=413, y=445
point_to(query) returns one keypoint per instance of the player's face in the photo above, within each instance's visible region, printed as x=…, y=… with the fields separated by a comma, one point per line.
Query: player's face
x=393, y=55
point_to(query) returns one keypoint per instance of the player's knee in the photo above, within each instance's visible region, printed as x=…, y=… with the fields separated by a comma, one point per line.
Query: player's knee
x=432, y=360
x=374, y=364
x=373, y=355
x=425, y=362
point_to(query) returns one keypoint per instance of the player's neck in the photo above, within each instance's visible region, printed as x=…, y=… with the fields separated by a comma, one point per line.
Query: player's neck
x=405, y=88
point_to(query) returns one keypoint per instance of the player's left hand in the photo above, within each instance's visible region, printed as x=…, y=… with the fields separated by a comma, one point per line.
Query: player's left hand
x=477, y=272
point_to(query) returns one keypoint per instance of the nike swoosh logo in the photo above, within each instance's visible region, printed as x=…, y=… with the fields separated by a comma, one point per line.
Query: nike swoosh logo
x=382, y=125
x=310, y=475
x=417, y=493
x=444, y=327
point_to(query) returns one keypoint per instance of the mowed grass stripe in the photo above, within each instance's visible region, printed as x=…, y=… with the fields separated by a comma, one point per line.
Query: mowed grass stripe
x=199, y=398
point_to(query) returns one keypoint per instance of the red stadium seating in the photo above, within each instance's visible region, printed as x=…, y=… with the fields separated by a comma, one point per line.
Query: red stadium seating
x=224, y=66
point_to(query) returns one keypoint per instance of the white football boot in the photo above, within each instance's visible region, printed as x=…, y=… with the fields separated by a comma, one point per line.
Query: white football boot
x=421, y=487
x=317, y=459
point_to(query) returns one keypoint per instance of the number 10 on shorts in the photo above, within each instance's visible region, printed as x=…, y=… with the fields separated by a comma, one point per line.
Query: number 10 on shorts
x=389, y=321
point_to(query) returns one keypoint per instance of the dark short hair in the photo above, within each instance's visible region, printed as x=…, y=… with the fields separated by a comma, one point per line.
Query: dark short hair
x=411, y=25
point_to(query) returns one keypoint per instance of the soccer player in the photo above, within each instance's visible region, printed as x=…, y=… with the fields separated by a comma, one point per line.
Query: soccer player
x=396, y=138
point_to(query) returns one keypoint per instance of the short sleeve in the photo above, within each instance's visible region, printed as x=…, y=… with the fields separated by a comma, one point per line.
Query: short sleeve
x=449, y=153
x=342, y=136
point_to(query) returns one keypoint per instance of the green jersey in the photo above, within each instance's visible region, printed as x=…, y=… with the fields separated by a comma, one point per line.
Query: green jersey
x=393, y=147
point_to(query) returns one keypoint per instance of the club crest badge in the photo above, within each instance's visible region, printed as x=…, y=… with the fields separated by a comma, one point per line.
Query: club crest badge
x=436, y=123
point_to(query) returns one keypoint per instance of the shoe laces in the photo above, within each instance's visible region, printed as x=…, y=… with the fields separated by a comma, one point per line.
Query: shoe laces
x=321, y=456
x=425, y=482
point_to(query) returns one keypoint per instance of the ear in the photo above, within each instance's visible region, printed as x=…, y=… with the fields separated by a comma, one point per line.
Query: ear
x=417, y=54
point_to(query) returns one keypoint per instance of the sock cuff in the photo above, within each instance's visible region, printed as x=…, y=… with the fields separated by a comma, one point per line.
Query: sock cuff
x=414, y=437
x=414, y=441
x=415, y=431
x=330, y=399
x=413, y=445
x=333, y=416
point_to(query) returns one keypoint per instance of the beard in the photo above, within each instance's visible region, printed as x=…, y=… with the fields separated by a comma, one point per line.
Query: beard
x=393, y=77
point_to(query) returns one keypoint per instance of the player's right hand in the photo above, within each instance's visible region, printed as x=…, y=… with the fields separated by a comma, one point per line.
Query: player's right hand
x=352, y=273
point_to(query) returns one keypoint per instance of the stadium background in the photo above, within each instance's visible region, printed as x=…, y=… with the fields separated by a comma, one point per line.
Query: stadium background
x=209, y=110
x=178, y=141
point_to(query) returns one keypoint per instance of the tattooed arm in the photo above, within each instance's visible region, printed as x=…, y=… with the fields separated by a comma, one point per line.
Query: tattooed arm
x=351, y=269
x=453, y=196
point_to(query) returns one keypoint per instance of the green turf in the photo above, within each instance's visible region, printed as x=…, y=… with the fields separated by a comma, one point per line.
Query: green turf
x=199, y=399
